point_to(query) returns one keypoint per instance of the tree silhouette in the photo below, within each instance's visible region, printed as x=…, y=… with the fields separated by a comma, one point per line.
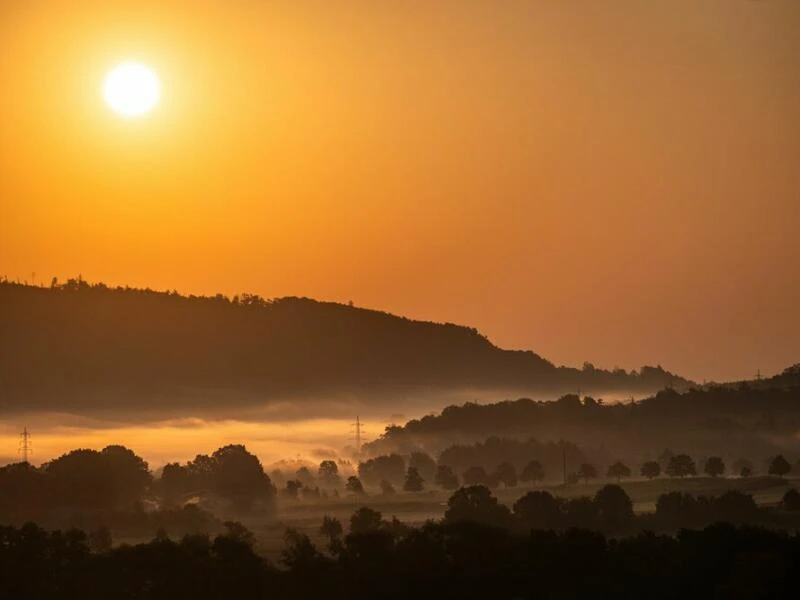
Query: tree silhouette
x=100, y=539
x=779, y=466
x=305, y=476
x=332, y=530
x=533, y=471
x=791, y=500
x=413, y=482
x=618, y=470
x=424, y=464
x=476, y=476
x=477, y=504
x=586, y=472
x=714, y=466
x=681, y=465
x=365, y=520
x=614, y=505
x=506, y=474
x=651, y=469
x=387, y=489
x=743, y=467
x=328, y=473
x=446, y=478
x=354, y=485
x=293, y=487
x=239, y=477
x=538, y=510
x=389, y=467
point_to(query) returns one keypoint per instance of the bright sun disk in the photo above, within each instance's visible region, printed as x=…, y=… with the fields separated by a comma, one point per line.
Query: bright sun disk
x=131, y=89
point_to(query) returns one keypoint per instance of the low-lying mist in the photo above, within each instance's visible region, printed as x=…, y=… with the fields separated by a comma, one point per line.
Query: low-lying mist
x=297, y=428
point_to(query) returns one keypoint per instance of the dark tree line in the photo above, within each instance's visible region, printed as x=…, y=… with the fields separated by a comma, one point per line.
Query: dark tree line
x=460, y=557
x=112, y=485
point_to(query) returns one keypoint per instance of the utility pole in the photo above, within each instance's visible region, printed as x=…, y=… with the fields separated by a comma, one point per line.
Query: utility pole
x=25, y=446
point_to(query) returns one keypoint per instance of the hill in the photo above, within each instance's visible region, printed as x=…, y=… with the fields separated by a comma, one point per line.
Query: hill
x=735, y=422
x=93, y=345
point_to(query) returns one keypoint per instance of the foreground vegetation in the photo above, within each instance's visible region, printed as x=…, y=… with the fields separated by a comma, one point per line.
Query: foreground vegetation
x=480, y=548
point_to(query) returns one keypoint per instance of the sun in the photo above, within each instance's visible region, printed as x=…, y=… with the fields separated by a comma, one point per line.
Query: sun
x=132, y=89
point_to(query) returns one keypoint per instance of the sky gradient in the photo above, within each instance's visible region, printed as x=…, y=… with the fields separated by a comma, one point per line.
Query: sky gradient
x=617, y=182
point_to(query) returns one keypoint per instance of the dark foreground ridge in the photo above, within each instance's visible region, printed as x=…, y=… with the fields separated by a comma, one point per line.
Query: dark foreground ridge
x=95, y=345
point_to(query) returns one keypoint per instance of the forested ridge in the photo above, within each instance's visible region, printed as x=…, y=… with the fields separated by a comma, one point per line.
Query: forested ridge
x=94, y=344
x=749, y=418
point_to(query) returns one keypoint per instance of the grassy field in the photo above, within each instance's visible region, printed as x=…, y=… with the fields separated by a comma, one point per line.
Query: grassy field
x=418, y=507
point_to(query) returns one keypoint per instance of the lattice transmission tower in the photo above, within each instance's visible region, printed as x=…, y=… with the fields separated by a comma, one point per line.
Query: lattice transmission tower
x=358, y=436
x=25, y=445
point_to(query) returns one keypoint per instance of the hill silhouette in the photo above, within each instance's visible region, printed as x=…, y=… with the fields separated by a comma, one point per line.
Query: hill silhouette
x=735, y=421
x=94, y=345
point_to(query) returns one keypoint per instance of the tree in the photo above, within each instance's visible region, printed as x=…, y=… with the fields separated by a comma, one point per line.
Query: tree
x=677, y=509
x=743, y=467
x=681, y=465
x=664, y=458
x=618, y=470
x=791, y=500
x=506, y=474
x=354, y=485
x=538, y=510
x=424, y=464
x=586, y=472
x=779, y=466
x=293, y=488
x=476, y=476
x=305, y=476
x=100, y=539
x=714, y=466
x=533, y=471
x=390, y=467
x=735, y=507
x=651, y=469
x=614, y=505
x=413, y=482
x=446, y=478
x=476, y=504
x=332, y=529
x=580, y=512
x=81, y=479
x=365, y=520
x=387, y=489
x=328, y=473
x=130, y=474
x=239, y=477
x=237, y=531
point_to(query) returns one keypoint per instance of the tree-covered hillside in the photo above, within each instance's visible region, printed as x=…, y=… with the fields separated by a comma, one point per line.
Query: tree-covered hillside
x=93, y=344
x=734, y=421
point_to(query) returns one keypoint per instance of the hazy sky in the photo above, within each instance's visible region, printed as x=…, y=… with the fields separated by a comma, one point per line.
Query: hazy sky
x=612, y=181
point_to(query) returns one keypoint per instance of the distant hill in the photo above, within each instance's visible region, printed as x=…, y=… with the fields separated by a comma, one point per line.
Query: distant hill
x=734, y=422
x=95, y=345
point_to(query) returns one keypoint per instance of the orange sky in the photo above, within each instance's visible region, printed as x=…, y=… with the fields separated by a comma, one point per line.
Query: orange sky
x=609, y=181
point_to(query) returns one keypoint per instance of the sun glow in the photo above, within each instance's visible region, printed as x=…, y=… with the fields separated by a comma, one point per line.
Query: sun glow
x=132, y=89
